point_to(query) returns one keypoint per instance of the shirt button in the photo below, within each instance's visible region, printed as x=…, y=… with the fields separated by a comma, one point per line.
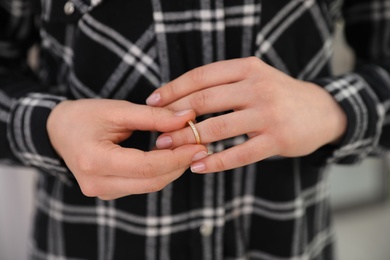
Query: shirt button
x=206, y=230
x=69, y=8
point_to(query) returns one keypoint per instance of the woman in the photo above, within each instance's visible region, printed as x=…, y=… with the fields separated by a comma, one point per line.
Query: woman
x=274, y=122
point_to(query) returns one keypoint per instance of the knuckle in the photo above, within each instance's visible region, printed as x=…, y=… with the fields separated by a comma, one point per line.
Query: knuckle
x=279, y=140
x=218, y=128
x=147, y=171
x=253, y=61
x=244, y=157
x=170, y=89
x=252, y=64
x=187, y=137
x=157, y=112
x=89, y=189
x=158, y=117
x=202, y=99
x=176, y=163
x=155, y=185
x=197, y=75
x=220, y=163
x=85, y=165
x=285, y=142
x=106, y=198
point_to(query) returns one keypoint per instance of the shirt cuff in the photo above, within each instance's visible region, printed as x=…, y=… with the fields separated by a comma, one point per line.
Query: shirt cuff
x=365, y=113
x=28, y=137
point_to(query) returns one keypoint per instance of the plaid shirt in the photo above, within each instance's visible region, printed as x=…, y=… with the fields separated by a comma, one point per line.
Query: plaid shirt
x=121, y=49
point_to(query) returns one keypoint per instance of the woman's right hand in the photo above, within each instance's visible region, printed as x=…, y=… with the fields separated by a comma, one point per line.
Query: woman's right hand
x=86, y=133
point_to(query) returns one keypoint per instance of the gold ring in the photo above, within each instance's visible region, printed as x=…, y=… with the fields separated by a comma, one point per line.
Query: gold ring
x=195, y=131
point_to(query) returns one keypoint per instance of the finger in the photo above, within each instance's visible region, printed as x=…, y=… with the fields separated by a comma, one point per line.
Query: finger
x=146, y=118
x=133, y=163
x=112, y=187
x=213, y=129
x=213, y=74
x=214, y=99
x=251, y=151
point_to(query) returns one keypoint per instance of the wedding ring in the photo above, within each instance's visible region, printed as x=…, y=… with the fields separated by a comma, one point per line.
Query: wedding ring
x=195, y=131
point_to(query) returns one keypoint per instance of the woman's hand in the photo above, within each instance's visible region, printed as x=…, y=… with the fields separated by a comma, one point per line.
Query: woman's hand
x=281, y=115
x=86, y=133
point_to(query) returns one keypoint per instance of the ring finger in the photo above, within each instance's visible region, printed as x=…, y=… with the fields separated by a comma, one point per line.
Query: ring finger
x=213, y=129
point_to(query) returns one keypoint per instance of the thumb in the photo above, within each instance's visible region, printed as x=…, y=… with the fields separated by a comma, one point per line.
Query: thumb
x=159, y=119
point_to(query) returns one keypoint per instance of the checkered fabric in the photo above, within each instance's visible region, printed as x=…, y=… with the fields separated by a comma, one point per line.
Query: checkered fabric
x=275, y=209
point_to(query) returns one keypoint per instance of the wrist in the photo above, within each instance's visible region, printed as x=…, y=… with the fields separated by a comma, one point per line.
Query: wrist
x=334, y=116
x=54, y=121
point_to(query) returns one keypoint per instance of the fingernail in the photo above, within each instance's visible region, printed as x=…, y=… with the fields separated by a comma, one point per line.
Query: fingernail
x=198, y=167
x=183, y=112
x=153, y=99
x=164, y=142
x=199, y=156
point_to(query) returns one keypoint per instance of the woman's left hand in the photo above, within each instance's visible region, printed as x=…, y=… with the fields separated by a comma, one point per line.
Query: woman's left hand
x=281, y=115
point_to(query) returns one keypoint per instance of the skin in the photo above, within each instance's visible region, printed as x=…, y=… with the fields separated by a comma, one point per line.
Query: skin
x=86, y=133
x=281, y=115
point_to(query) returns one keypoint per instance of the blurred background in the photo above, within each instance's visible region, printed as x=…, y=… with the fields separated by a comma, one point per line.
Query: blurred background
x=360, y=199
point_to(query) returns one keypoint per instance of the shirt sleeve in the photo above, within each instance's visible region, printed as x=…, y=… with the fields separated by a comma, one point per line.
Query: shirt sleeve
x=25, y=104
x=364, y=93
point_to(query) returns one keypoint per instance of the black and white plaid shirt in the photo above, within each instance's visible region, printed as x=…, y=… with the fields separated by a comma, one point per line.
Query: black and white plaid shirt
x=122, y=49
